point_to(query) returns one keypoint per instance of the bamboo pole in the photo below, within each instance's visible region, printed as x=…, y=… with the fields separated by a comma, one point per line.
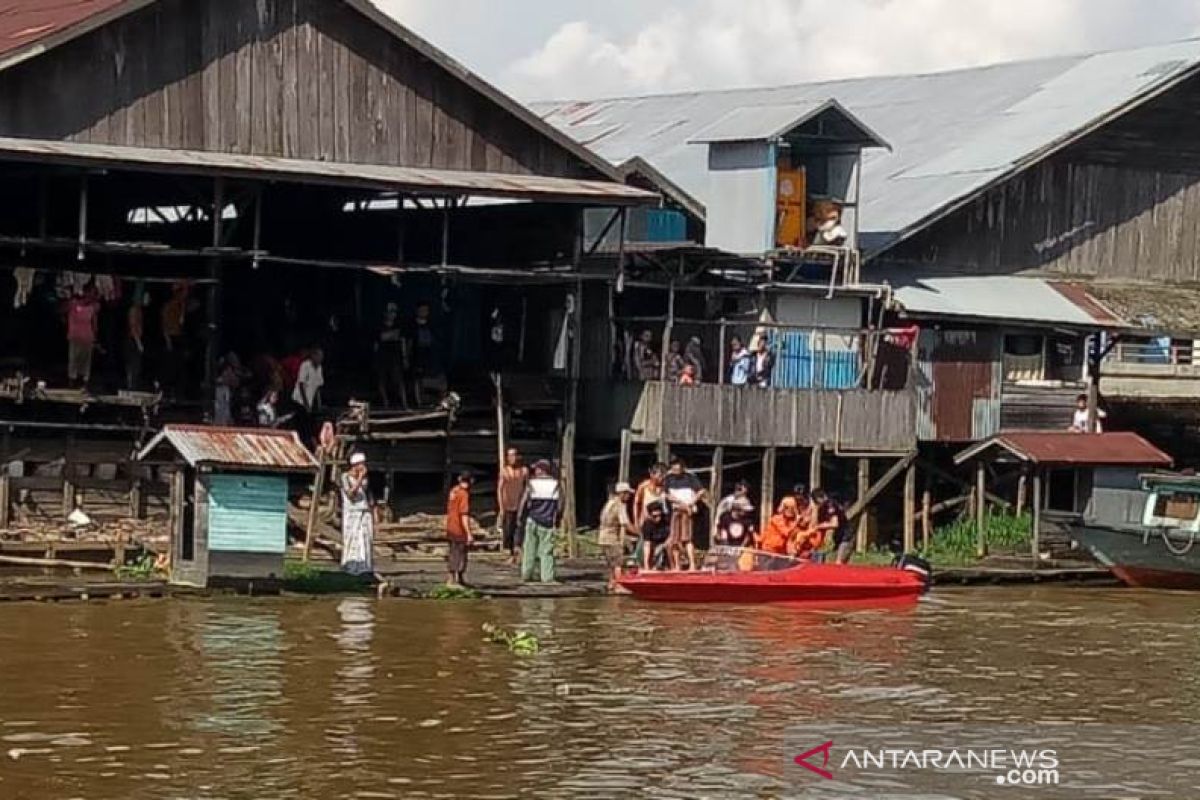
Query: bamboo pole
x=501, y=443
x=25, y=561
x=715, y=486
x=1036, y=532
x=926, y=522
x=814, y=467
x=864, y=484
x=768, y=487
x=315, y=504
x=623, y=465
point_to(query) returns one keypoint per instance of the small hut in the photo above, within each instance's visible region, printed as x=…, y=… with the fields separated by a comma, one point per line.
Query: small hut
x=1070, y=473
x=229, y=496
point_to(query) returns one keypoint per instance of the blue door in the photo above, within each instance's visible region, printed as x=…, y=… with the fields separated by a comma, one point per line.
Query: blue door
x=247, y=513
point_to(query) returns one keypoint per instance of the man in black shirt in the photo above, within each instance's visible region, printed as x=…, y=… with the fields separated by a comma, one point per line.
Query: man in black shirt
x=831, y=520
x=685, y=493
x=656, y=530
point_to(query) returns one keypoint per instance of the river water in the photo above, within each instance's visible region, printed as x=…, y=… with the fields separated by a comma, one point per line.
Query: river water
x=353, y=697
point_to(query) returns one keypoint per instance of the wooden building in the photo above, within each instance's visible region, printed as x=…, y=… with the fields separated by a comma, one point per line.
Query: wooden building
x=229, y=502
x=257, y=179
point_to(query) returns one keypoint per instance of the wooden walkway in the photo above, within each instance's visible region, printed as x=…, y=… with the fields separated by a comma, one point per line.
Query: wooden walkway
x=54, y=588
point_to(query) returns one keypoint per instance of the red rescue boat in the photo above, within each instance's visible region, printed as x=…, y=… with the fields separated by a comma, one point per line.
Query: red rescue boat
x=754, y=577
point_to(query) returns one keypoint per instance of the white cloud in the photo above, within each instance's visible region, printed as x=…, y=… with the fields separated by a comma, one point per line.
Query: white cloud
x=727, y=43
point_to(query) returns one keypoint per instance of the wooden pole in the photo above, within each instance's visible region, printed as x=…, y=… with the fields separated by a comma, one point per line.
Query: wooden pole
x=623, y=465
x=667, y=331
x=721, y=354
x=864, y=484
x=569, y=519
x=926, y=523
x=1022, y=489
x=1036, y=525
x=314, y=506
x=980, y=508
x=768, y=487
x=814, y=467
x=910, y=502
x=715, y=486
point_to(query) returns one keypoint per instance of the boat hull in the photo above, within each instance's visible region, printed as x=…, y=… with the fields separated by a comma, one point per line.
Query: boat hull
x=806, y=584
x=1141, y=558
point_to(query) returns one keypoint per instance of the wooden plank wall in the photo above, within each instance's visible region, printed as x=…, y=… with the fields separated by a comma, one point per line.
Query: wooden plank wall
x=296, y=78
x=738, y=416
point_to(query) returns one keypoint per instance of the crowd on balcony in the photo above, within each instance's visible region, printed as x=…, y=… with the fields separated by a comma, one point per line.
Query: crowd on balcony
x=687, y=365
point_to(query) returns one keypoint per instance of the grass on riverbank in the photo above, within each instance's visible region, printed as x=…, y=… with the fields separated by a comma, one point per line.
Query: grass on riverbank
x=954, y=545
x=307, y=578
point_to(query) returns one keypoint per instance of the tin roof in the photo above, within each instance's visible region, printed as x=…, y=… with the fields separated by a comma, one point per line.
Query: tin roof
x=237, y=448
x=1003, y=298
x=1121, y=449
x=953, y=134
x=771, y=123
x=1153, y=308
x=24, y=22
x=415, y=180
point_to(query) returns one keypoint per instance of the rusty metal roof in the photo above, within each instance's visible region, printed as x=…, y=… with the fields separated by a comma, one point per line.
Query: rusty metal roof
x=1120, y=449
x=28, y=22
x=253, y=449
x=413, y=180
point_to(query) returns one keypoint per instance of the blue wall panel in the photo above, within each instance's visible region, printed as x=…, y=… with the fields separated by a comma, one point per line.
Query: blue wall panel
x=798, y=366
x=247, y=513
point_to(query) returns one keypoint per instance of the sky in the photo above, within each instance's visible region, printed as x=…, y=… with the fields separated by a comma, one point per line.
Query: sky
x=582, y=49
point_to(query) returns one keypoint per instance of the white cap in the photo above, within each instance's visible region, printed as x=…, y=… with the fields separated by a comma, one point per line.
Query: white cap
x=358, y=458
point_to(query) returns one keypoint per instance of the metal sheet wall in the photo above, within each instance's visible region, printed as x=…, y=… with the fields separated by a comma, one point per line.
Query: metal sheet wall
x=247, y=513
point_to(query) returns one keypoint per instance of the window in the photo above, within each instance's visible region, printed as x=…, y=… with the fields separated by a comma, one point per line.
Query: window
x=1178, y=506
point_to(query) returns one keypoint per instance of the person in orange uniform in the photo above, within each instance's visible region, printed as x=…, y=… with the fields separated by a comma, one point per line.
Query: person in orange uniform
x=781, y=529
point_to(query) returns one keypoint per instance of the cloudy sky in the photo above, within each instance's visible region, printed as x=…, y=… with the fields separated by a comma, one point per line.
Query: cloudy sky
x=553, y=49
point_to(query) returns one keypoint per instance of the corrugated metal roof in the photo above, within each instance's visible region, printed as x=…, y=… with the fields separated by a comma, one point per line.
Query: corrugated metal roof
x=430, y=182
x=24, y=22
x=1121, y=449
x=769, y=123
x=238, y=448
x=1155, y=309
x=1000, y=297
x=952, y=133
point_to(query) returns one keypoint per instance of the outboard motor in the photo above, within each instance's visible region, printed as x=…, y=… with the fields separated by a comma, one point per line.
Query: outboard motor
x=915, y=564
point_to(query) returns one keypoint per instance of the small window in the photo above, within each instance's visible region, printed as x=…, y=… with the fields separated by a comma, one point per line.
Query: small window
x=1022, y=345
x=1176, y=505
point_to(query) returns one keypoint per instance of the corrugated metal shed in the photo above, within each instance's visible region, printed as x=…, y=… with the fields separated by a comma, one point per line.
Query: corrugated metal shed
x=953, y=134
x=1000, y=297
x=429, y=182
x=1073, y=449
x=253, y=449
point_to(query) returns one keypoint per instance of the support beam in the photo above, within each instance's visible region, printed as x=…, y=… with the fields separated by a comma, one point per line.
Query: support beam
x=1036, y=524
x=910, y=502
x=814, y=467
x=768, y=487
x=865, y=497
x=1022, y=489
x=926, y=521
x=980, y=509
x=966, y=485
x=569, y=518
x=868, y=493
x=623, y=465
x=715, y=486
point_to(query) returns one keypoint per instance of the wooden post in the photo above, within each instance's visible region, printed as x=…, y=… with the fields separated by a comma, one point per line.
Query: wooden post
x=5, y=498
x=814, y=468
x=1036, y=525
x=623, y=465
x=980, y=508
x=721, y=354
x=864, y=485
x=1022, y=489
x=926, y=523
x=314, y=506
x=715, y=481
x=910, y=502
x=501, y=443
x=768, y=487
x=135, y=497
x=569, y=520
x=667, y=331
x=662, y=451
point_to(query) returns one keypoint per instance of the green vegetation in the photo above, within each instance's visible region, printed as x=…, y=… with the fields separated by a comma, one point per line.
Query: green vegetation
x=523, y=643
x=141, y=569
x=307, y=578
x=444, y=592
x=955, y=544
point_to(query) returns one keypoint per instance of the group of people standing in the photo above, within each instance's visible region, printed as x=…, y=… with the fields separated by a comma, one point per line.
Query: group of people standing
x=659, y=515
x=686, y=365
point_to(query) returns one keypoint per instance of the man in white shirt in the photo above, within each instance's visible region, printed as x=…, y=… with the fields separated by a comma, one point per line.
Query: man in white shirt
x=1079, y=420
x=310, y=379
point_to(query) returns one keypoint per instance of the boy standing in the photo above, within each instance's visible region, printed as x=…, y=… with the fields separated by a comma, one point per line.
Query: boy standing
x=541, y=508
x=458, y=529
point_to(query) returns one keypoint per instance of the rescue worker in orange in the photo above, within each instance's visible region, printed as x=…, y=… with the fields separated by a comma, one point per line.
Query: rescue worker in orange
x=781, y=529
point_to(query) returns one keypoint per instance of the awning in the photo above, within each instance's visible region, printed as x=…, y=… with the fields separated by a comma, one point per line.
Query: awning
x=380, y=177
x=1120, y=449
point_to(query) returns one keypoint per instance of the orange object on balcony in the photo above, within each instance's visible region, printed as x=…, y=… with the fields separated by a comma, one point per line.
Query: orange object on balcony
x=790, y=208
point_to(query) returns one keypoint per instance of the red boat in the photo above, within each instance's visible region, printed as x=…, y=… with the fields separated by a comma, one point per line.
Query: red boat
x=754, y=577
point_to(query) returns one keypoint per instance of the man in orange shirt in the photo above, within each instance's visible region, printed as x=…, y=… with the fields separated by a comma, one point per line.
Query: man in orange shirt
x=458, y=529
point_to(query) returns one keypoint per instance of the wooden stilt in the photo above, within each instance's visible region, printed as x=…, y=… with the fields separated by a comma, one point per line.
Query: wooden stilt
x=5, y=499
x=980, y=508
x=768, y=487
x=864, y=484
x=814, y=467
x=715, y=487
x=569, y=519
x=926, y=522
x=314, y=505
x=910, y=502
x=1022, y=489
x=623, y=465
x=1036, y=525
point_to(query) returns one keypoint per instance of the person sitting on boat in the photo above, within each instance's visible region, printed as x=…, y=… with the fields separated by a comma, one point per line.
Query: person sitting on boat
x=741, y=491
x=656, y=529
x=832, y=522
x=735, y=527
x=782, y=528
